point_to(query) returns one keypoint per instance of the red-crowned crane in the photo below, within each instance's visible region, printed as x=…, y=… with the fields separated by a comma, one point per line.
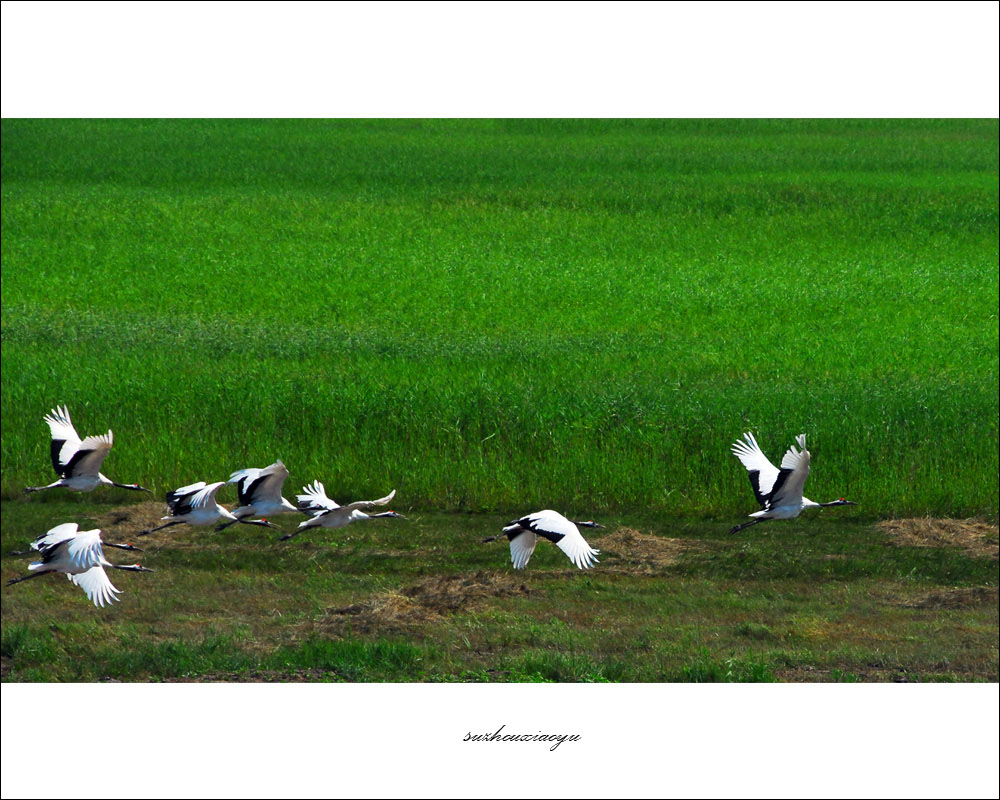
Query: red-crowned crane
x=80, y=556
x=196, y=505
x=259, y=493
x=57, y=534
x=523, y=533
x=76, y=462
x=327, y=514
x=779, y=491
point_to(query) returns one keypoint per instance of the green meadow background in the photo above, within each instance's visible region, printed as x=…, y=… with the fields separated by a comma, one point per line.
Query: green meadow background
x=513, y=314
x=503, y=316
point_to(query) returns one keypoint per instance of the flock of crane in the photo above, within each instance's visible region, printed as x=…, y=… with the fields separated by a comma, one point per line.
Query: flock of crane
x=80, y=555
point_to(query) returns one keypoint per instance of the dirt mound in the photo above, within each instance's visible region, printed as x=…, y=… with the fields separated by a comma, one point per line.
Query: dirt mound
x=632, y=551
x=955, y=598
x=975, y=537
x=125, y=522
x=425, y=601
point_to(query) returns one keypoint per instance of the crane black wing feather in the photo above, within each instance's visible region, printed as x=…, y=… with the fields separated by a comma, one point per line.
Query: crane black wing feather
x=247, y=489
x=180, y=500
x=779, y=482
x=755, y=485
x=536, y=523
x=54, y=450
x=68, y=469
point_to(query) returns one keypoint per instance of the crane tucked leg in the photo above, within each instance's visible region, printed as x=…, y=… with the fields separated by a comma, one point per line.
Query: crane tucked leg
x=738, y=528
x=262, y=522
x=161, y=527
x=43, y=488
x=28, y=577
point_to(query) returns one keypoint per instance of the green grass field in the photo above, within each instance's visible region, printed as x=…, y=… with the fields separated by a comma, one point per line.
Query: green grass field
x=497, y=317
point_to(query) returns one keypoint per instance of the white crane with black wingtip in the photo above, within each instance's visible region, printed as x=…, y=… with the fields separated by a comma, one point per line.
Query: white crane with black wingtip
x=259, y=493
x=79, y=555
x=523, y=533
x=779, y=491
x=57, y=533
x=327, y=514
x=196, y=505
x=78, y=462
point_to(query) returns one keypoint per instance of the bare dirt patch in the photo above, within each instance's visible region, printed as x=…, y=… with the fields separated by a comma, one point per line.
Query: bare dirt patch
x=632, y=551
x=975, y=537
x=125, y=523
x=424, y=602
x=972, y=597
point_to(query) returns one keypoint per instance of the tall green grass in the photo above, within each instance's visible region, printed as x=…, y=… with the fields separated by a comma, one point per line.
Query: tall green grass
x=510, y=314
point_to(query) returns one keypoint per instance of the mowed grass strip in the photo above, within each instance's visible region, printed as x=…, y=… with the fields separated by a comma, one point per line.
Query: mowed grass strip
x=425, y=600
x=496, y=315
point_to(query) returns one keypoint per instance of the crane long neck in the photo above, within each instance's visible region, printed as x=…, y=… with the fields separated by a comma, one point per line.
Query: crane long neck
x=122, y=546
x=262, y=522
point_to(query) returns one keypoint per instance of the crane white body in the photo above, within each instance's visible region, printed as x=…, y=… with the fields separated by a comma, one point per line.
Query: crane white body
x=328, y=514
x=259, y=493
x=77, y=461
x=523, y=534
x=79, y=555
x=779, y=491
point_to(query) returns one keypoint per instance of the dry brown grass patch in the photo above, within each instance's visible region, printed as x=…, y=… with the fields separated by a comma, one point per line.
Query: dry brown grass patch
x=975, y=537
x=955, y=598
x=125, y=522
x=632, y=551
x=426, y=601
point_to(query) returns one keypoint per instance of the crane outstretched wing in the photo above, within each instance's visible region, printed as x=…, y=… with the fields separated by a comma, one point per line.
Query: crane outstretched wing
x=97, y=585
x=65, y=439
x=313, y=500
x=365, y=505
x=522, y=545
x=762, y=472
x=205, y=498
x=580, y=553
x=259, y=484
x=55, y=536
x=85, y=549
x=792, y=476
x=89, y=456
x=180, y=500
